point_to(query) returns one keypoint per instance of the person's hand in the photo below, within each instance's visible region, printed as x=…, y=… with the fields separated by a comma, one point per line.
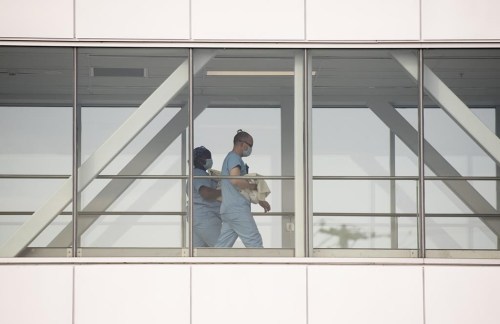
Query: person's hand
x=264, y=204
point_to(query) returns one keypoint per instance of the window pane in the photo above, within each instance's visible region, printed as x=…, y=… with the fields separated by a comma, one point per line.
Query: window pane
x=252, y=90
x=365, y=196
x=36, y=127
x=469, y=93
x=461, y=131
x=364, y=122
x=348, y=232
x=469, y=80
x=460, y=214
x=133, y=134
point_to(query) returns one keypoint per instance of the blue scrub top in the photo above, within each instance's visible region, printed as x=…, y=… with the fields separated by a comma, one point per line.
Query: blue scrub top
x=232, y=200
x=199, y=202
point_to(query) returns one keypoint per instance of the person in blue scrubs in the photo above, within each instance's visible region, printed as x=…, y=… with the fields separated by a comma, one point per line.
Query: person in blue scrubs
x=206, y=208
x=237, y=219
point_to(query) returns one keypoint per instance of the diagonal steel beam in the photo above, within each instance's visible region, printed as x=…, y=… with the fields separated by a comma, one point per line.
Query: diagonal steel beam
x=436, y=162
x=144, y=158
x=442, y=238
x=103, y=155
x=455, y=107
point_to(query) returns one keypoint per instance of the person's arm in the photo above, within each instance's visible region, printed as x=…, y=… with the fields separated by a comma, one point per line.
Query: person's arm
x=264, y=204
x=209, y=193
x=241, y=183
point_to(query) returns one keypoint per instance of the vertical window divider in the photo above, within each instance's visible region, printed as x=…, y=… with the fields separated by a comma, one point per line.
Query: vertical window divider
x=302, y=159
x=497, y=168
x=308, y=156
x=190, y=152
x=421, y=159
x=75, y=153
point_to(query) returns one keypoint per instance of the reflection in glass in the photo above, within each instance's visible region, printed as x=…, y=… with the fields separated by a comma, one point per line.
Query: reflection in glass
x=349, y=232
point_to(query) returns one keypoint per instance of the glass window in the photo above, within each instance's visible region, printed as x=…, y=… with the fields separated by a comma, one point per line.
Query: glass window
x=364, y=153
x=132, y=122
x=133, y=105
x=462, y=151
x=251, y=90
x=36, y=100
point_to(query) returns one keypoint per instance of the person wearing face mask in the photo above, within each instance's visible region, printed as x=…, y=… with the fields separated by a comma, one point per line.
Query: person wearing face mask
x=237, y=219
x=206, y=208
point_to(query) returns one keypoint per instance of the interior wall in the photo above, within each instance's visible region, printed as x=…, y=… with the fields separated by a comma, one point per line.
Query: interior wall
x=260, y=20
x=220, y=291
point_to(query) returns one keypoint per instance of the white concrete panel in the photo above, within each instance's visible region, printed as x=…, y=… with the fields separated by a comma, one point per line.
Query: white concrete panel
x=132, y=294
x=36, y=294
x=363, y=20
x=462, y=295
x=133, y=19
x=35, y=18
x=248, y=294
x=365, y=294
x=460, y=20
x=248, y=20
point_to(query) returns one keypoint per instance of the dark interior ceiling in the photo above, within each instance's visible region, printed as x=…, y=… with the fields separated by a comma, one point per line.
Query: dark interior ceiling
x=43, y=76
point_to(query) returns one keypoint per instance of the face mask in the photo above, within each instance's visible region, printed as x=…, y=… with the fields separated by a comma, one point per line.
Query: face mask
x=247, y=152
x=208, y=164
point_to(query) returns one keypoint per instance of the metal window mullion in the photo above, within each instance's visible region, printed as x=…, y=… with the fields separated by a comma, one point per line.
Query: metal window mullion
x=497, y=131
x=307, y=86
x=299, y=153
x=421, y=159
x=75, y=154
x=190, y=153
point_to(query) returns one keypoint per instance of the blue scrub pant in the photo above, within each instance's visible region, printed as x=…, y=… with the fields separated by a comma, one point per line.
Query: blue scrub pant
x=206, y=229
x=242, y=225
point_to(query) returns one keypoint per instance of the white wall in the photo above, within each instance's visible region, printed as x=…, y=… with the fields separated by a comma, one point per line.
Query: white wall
x=462, y=294
x=261, y=291
x=248, y=20
x=258, y=20
x=140, y=19
x=460, y=20
x=365, y=294
x=132, y=294
x=36, y=294
x=36, y=19
x=247, y=294
x=363, y=20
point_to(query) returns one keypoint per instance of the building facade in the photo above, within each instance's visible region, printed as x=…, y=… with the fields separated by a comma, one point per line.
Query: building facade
x=375, y=125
